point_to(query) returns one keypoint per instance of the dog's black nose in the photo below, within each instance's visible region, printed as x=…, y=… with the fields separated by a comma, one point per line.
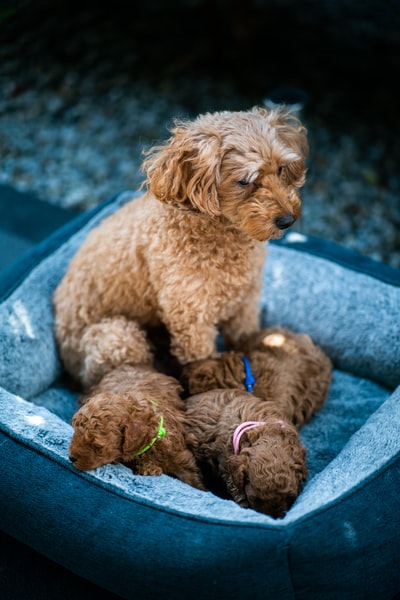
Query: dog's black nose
x=285, y=221
x=72, y=459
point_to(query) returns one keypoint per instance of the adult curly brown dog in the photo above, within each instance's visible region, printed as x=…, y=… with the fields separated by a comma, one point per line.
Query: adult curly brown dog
x=188, y=253
x=250, y=442
x=134, y=415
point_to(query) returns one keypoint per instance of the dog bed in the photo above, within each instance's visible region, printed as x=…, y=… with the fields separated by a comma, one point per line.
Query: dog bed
x=146, y=537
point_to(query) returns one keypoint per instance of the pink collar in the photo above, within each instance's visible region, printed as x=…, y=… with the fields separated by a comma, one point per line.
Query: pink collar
x=245, y=426
x=239, y=431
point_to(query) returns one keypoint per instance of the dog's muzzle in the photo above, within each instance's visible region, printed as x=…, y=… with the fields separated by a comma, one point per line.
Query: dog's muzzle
x=285, y=221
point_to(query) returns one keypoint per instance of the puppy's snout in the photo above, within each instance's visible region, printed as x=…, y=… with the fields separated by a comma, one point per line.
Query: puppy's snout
x=285, y=221
x=72, y=458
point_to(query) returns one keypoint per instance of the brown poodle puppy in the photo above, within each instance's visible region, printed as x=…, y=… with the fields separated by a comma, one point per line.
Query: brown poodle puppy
x=188, y=253
x=289, y=372
x=134, y=415
x=249, y=442
x=245, y=446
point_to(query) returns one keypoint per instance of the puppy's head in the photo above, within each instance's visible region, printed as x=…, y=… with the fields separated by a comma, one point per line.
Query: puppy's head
x=101, y=436
x=206, y=374
x=246, y=166
x=269, y=470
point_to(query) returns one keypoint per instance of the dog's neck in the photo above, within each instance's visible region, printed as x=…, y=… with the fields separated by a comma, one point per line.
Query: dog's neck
x=213, y=227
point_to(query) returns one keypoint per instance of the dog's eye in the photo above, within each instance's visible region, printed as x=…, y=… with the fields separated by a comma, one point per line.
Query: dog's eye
x=243, y=182
x=281, y=170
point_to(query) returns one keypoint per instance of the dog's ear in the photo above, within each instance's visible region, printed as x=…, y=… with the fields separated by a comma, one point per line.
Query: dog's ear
x=186, y=169
x=137, y=434
x=238, y=467
x=290, y=130
x=292, y=133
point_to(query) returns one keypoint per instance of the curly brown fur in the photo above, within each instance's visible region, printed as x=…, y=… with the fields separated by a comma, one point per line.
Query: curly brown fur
x=268, y=472
x=188, y=253
x=121, y=416
x=292, y=373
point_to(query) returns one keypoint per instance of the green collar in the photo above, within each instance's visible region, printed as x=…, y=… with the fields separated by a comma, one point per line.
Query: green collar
x=160, y=433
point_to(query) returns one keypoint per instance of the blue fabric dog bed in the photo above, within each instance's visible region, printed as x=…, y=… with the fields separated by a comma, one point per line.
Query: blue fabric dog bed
x=147, y=537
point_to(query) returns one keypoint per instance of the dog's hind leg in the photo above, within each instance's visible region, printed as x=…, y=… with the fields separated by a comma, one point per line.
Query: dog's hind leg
x=111, y=342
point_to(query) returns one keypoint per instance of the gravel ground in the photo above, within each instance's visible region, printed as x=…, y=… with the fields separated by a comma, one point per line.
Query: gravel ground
x=84, y=90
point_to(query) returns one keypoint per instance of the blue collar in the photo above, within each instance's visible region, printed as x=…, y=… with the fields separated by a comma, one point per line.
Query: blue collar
x=249, y=380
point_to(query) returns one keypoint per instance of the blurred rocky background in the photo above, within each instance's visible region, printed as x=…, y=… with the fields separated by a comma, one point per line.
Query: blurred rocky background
x=85, y=86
